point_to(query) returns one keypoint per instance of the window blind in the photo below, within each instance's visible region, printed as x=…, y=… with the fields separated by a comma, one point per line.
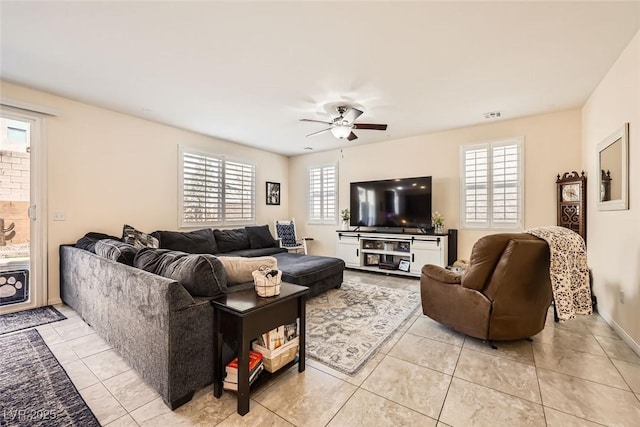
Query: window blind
x=202, y=189
x=215, y=191
x=492, y=188
x=322, y=195
x=239, y=201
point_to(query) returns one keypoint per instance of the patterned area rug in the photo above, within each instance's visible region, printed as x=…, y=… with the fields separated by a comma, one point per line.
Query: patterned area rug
x=28, y=319
x=346, y=326
x=35, y=390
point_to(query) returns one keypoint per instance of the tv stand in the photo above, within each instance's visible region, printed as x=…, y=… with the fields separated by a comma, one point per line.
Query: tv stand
x=396, y=253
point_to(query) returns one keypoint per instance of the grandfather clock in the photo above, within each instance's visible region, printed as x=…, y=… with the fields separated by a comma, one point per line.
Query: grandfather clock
x=572, y=202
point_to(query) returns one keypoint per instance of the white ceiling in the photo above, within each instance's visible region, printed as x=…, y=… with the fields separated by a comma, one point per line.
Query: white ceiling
x=247, y=71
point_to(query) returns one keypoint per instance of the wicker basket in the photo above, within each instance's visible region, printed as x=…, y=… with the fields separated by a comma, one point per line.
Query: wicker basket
x=276, y=359
x=266, y=286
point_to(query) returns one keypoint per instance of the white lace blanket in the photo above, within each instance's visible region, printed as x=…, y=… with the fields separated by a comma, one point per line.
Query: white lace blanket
x=568, y=270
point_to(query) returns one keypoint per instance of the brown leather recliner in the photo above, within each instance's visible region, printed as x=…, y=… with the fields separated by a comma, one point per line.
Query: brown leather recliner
x=503, y=295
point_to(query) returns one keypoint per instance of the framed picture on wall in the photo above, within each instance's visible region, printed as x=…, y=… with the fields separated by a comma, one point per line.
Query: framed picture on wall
x=273, y=193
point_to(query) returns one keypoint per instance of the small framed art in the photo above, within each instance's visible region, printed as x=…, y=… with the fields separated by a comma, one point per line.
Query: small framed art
x=404, y=265
x=273, y=193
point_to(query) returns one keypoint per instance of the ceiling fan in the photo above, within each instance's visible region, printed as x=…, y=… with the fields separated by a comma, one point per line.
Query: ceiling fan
x=342, y=126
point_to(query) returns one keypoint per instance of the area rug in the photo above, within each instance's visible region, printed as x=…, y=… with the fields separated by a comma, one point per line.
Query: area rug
x=35, y=390
x=28, y=319
x=346, y=326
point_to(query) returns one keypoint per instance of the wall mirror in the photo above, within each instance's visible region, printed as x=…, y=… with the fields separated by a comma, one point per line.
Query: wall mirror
x=613, y=171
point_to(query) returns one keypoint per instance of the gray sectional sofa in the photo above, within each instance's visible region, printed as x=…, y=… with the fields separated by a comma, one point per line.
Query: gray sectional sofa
x=161, y=329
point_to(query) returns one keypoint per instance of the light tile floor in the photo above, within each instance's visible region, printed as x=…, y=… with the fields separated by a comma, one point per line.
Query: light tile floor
x=576, y=373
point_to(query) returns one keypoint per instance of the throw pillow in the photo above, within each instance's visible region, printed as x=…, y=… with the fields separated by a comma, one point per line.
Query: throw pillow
x=88, y=241
x=202, y=275
x=156, y=260
x=260, y=237
x=193, y=242
x=138, y=239
x=231, y=240
x=116, y=250
x=286, y=233
x=239, y=269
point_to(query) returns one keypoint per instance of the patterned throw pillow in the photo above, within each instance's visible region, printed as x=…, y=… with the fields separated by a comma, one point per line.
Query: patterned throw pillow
x=287, y=234
x=138, y=239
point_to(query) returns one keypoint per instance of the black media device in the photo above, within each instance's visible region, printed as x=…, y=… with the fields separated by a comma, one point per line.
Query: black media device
x=401, y=202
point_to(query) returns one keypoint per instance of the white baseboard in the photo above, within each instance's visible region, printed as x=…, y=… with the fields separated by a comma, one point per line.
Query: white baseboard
x=54, y=301
x=623, y=334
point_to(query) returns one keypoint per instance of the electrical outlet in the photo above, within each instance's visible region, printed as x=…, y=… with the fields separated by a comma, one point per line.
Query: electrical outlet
x=59, y=216
x=621, y=296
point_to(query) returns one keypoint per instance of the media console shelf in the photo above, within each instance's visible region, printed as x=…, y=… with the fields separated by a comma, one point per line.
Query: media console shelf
x=396, y=253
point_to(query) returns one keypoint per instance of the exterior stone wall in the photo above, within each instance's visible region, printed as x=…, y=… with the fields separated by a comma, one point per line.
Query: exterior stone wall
x=17, y=213
x=14, y=176
x=14, y=193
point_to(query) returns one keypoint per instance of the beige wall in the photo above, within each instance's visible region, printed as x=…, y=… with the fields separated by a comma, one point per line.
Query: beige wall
x=614, y=236
x=552, y=146
x=106, y=169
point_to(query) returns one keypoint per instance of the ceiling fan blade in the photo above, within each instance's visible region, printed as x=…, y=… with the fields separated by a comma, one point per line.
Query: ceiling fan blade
x=315, y=121
x=369, y=126
x=352, y=136
x=320, y=131
x=351, y=115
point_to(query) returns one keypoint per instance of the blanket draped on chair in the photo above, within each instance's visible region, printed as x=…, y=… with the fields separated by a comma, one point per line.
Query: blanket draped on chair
x=568, y=270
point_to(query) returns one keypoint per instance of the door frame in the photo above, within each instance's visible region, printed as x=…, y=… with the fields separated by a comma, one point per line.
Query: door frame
x=38, y=198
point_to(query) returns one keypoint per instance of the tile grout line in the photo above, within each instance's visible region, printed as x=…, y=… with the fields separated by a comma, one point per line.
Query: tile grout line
x=444, y=401
x=588, y=332
x=383, y=397
x=100, y=381
x=616, y=368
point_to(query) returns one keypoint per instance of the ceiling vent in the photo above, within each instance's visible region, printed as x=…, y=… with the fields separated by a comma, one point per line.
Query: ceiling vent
x=492, y=115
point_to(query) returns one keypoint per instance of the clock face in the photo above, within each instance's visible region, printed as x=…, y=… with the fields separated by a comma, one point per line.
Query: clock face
x=571, y=193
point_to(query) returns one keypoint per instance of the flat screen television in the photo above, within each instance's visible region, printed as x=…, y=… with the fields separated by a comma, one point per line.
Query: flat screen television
x=397, y=202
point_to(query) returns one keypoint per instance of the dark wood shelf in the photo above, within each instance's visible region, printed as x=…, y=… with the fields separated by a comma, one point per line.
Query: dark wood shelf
x=266, y=377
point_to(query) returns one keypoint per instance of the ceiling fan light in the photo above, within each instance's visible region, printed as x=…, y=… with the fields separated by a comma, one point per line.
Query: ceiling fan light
x=341, y=132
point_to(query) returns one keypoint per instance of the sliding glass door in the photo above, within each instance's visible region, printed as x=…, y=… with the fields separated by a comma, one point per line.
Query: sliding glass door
x=19, y=232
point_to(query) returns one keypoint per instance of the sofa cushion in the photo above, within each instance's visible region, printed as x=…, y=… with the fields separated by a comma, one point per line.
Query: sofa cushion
x=249, y=253
x=201, y=274
x=138, y=239
x=88, y=241
x=239, y=269
x=304, y=270
x=193, y=242
x=231, y=240
x=156, y=260
x=260, y=237
x=116, y=250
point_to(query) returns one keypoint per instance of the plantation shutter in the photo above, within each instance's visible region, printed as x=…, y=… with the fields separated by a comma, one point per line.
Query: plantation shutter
x=476, y=186
x=215, y=191
x=202, y=189
x=492, y=188
x=329, y=195
x=315, y=195
x=322, y=195
x=239, y=201
x=505, y=185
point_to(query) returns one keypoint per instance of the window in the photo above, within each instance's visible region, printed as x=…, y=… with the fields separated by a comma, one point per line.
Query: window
x=16, y=135
x=492, y=184
x=323, y=195
x=214, y=190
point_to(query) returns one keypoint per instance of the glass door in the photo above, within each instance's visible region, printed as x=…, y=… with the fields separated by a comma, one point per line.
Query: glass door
x=18, y=285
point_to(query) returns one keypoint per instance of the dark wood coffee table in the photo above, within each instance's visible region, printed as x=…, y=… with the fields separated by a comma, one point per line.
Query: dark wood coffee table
x=243, y=316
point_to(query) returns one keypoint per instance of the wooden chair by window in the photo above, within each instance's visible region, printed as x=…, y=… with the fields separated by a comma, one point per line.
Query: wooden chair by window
x=287, y=237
